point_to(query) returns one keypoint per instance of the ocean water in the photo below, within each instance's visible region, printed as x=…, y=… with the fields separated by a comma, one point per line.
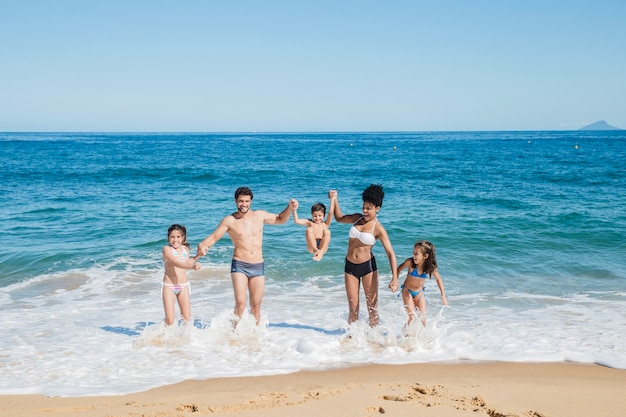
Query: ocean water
x=530, y=231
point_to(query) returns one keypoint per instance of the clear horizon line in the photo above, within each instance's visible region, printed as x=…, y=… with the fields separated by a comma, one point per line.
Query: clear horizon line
x=302, y=131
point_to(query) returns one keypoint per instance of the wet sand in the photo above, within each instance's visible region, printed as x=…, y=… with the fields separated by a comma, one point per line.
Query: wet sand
x=443, y=390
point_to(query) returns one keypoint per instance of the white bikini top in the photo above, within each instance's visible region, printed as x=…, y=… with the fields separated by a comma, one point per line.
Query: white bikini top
x=364, y=237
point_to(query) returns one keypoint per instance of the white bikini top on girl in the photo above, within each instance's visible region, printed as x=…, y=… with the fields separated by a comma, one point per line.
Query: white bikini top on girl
x=364, y=237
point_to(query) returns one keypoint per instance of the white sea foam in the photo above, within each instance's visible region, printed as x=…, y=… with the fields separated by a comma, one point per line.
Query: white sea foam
x=104, y=334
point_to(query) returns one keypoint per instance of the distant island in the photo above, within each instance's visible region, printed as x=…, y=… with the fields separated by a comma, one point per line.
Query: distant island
x=601, y=125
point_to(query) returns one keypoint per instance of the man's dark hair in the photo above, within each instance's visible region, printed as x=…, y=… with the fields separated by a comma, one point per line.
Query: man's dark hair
x=243, y=191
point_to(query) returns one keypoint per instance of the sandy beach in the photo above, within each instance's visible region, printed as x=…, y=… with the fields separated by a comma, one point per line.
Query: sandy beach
x=444, y=390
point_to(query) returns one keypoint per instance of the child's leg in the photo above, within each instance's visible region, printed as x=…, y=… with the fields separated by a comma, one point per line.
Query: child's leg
x=323, y=248
x=311, y=241
x=169, y=300
x=184, y=303
x=409, y=305
x=421, y=305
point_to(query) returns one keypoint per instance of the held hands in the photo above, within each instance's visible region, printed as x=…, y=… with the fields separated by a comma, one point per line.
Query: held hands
x=294, y=204
x=393, y=285
x=202, y=250
x=195, y=265
x=332, y=194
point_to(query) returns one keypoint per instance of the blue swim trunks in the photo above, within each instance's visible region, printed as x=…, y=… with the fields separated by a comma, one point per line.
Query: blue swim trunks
x=248, y=269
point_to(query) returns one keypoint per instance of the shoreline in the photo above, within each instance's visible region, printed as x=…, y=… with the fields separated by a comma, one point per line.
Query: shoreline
x=494, y=389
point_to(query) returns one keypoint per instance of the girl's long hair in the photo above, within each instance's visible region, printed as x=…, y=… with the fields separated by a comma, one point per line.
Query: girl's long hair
x=430, y=263
x=183, y=231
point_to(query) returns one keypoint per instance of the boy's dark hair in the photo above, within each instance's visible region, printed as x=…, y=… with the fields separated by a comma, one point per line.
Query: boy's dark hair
x=243, y=191
x=318, y=207
x=374, y=194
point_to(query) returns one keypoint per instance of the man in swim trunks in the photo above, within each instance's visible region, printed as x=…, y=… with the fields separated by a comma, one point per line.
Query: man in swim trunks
x=245, y=228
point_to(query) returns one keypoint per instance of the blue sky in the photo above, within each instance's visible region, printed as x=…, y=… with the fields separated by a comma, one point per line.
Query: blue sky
x=239, y=66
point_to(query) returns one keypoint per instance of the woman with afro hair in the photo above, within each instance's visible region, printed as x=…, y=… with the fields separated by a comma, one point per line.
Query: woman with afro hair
x=360, y=264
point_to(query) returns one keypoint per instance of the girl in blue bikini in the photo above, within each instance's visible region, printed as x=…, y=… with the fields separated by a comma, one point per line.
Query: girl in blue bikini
x=176, y=261
x=422, y=265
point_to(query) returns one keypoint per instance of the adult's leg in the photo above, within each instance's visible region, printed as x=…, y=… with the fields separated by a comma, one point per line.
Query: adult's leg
x=256, y=286
x=370, y=288
x=240, y=289
x=353, y=285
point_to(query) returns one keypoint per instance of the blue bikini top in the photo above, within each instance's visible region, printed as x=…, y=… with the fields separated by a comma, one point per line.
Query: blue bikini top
x=414, y=273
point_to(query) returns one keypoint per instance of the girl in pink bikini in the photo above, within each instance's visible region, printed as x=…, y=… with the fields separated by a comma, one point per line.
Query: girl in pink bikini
x=175, y=286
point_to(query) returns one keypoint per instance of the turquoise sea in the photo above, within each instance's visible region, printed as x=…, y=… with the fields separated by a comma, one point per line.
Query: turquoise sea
x=530, y=231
